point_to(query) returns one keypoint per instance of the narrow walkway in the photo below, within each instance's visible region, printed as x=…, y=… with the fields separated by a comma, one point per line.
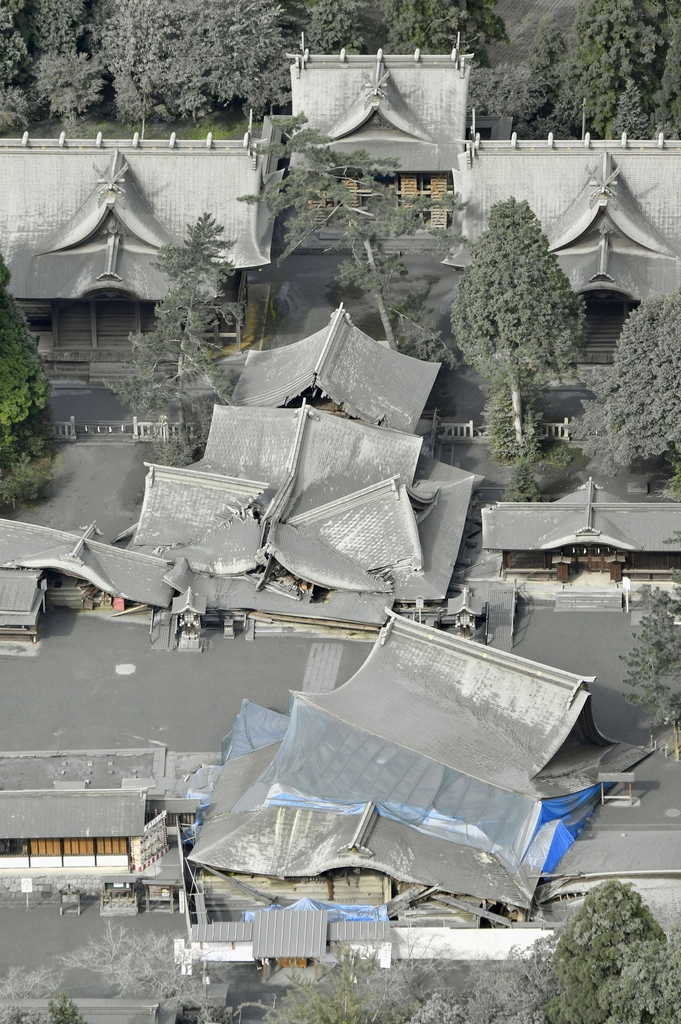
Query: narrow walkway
x=322, y=667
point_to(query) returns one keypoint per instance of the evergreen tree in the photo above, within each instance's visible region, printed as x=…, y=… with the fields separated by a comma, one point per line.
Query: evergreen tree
x=334, y=26
x=612, y=923
x=521, y=484
x=631, y=117
x=322, y=183
x=647, y=990
x=509, y=90
x=433, y=25
x=616, y=41
x=637, y=410
x=24, y=388
x=176, y=356
x=63, y=1010
x=13, y=40
x=546, y=56
x=668, y=99
x=57, y=25
x=515, y=317
x=654, y=662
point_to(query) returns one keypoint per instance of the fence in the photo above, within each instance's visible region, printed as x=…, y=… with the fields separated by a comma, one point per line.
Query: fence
x=467, y=431
x=115, y=430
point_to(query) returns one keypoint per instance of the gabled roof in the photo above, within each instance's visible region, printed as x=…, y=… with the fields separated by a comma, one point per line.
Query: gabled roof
x=81, y=216
x=406, y=107
x=366, y=379
x=18, y=589
x=136, y=576
x=587, y=516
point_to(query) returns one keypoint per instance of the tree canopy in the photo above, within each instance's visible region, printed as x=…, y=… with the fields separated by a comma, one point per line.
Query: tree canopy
x=515, y=316
x=354, y=196
x=24, y=387
x=654, y=662
x=433, y=25
x=612, y=926
x=170, y=362
x=637, y=410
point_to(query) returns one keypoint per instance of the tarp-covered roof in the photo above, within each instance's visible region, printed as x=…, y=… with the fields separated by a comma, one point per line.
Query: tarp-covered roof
x=587, y=516
x=130, y=574
x=406, y=107
x=457, y=757
x=62, y=206
x=366, y=379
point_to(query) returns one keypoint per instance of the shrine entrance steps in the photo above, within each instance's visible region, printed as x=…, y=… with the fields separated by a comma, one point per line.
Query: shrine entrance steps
x=589, y=601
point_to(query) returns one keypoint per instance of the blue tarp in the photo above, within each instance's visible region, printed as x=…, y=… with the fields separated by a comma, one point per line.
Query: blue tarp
x=560, y=844
x=254, y=727
x=337, y=911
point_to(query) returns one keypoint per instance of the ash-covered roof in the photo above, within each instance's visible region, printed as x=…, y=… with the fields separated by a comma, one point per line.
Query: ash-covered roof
x=81, y=217
x=130, y=574
x=337, y=503
x=610, y=212
x=406, y=107
x=366, y=379
x=441, y=762
x=587, y=516
x=41, y=814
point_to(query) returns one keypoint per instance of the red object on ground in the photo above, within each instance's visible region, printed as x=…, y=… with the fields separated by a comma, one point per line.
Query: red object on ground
x=119, y=604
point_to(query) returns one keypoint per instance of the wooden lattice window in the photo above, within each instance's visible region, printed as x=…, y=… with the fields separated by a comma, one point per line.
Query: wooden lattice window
x=79, y=847
x=112, y=846
x=45, y=847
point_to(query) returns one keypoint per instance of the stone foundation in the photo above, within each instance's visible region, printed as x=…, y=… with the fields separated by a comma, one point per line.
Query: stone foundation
x=45, y=886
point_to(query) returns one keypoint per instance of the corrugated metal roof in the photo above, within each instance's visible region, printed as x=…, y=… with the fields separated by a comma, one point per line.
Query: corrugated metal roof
x=290, y=933
x=367, y=379
x=359, y=931
x=45, y=814
x=222, y=931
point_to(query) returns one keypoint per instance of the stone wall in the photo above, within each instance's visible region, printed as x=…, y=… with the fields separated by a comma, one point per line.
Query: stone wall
x=48, y=886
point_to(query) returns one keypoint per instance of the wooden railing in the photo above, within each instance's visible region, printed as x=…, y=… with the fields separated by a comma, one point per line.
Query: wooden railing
x=120, y=430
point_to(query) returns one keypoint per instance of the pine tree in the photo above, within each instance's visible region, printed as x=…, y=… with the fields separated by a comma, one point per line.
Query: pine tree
x=63, y=1010
x=24, y=388
x=334, y=26
x=631, y=117
x=654, y=662
x=616, y=41
x=322, y=182
x=521, y=484
x=515, y=317
x=592, y=951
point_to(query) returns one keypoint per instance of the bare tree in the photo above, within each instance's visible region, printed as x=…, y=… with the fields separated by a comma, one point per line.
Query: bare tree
x=19, y=983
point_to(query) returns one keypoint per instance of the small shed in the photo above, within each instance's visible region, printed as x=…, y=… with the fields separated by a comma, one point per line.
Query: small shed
x=290, y=936
x=22, y=599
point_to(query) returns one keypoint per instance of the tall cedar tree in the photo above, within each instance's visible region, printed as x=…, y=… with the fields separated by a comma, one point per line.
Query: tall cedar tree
x=175, y=357
x=668, y=99
x=333, y=26
x=654, y=662
x=433, y=25
x=637, y=411
x=616, y=41
x=612, y=924
x=24, y=387
x=319, y=175
x=546, y=56
x=515, y=317
x=631, y=117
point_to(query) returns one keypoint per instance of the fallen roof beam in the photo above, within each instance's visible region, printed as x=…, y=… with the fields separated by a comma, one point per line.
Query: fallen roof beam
x=472, y=909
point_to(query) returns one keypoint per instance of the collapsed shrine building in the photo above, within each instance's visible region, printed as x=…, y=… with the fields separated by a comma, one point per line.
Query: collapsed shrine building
x=442, y=771
x=311, y=512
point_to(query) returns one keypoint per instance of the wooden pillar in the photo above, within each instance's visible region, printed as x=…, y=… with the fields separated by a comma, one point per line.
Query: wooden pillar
x=138, y=318
x=93, y=322
x=55, y=323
